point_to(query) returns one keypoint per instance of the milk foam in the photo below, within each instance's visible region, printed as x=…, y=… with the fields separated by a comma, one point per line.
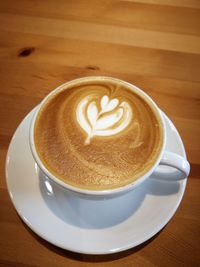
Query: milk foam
x=106, y=118
x=97, y=135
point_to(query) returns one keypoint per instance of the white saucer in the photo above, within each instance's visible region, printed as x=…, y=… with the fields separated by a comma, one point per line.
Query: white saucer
x=83, y=225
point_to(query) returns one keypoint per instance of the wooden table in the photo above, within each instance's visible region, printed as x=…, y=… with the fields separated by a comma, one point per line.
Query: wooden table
x=153, y=44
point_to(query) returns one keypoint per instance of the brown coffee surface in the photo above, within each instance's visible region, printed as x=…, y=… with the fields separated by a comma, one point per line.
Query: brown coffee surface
x=97, y=134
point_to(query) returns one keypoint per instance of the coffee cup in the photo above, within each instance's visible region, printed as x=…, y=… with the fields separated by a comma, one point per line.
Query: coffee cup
x=100, y=136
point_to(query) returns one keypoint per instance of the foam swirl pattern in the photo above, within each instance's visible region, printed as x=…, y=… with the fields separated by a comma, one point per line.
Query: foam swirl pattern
x=110, y=119
x=98, y=135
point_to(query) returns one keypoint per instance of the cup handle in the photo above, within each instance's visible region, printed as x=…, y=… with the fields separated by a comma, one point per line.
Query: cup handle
x=174, y=160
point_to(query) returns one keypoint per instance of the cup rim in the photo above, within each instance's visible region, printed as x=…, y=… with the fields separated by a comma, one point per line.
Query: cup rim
x=104, y=192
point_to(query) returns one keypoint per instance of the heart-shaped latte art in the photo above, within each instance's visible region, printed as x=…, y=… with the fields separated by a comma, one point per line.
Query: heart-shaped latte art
x=106, y=118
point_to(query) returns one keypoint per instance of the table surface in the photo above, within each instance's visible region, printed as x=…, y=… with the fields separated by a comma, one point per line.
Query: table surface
x=153, y=44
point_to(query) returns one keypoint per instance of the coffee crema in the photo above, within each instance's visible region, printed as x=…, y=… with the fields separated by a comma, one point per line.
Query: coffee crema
x=97, y=134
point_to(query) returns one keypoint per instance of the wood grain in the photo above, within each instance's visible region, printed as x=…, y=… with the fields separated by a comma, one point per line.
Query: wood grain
x=100, y=33
x=152, y=44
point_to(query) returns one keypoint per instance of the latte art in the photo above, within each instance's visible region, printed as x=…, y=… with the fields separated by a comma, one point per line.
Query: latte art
x=97, y=134
x=106, y=118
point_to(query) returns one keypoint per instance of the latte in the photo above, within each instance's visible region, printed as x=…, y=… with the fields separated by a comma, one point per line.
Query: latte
x=98, y=134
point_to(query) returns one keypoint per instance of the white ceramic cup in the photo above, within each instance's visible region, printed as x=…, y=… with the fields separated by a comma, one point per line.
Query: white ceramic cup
x=164, y=158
